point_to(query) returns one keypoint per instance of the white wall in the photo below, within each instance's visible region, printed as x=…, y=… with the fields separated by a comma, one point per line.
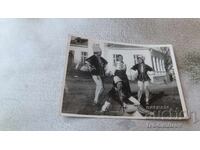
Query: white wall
x=77, y=52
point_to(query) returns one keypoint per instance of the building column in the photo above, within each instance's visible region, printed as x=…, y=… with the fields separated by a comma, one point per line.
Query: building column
x=163, y=65
x=154, y=63
x=157, y=62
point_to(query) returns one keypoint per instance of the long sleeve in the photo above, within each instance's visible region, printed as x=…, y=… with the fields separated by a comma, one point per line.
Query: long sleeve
x=149, y=68
x=135, y=67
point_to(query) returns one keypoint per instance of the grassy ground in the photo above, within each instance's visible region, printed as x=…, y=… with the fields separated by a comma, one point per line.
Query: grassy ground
x=79, y=95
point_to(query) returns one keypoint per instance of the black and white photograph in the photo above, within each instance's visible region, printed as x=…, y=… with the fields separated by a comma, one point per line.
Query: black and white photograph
x=120, y=80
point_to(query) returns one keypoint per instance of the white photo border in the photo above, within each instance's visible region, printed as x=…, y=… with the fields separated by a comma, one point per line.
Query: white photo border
x=178, y=81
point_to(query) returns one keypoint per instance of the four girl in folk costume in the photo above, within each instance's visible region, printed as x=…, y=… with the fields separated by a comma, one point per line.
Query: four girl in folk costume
x=121, y=90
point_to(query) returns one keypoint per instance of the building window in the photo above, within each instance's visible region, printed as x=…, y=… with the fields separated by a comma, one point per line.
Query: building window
x=115, y=58
x=135, y=59
x=84, y=56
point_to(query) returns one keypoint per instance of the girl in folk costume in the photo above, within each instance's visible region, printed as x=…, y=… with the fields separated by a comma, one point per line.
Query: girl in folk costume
x=97, y=66
x=143, y=78
x=129, y=104
x=120, y=71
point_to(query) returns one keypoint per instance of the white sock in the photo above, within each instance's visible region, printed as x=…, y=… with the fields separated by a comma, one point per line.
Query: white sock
x=105, y=106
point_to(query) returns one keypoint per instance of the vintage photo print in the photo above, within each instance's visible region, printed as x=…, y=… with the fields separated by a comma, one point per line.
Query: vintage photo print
x=118, y=80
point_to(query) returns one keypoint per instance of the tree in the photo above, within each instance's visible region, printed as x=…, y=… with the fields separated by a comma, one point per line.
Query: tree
x=168, y=62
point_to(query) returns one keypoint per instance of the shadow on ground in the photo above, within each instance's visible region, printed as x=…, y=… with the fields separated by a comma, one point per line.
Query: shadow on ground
x=79, y=94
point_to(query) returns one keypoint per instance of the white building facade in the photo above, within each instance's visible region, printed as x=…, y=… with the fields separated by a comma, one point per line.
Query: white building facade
x=153, y=58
